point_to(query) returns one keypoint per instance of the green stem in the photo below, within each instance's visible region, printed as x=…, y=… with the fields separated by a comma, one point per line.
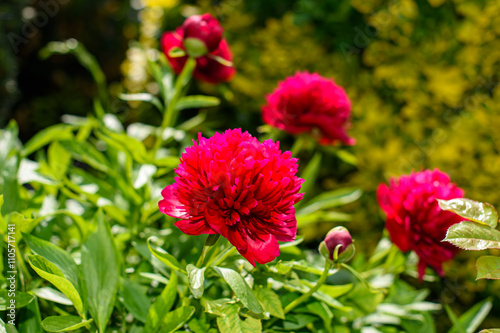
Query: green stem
x=171, y=112
x=359, y=277
x=209, y=242
x=299, y=143
x=229, y=251
x=305, y=296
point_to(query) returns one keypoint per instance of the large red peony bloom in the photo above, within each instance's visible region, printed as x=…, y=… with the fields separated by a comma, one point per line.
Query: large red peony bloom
x=307, y=101
x=213, y=65
x=235, y=186
x=414, y=219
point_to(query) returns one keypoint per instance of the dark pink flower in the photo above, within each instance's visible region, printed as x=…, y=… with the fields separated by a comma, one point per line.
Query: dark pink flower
x=414, y=219
x=214, y=65
x=235, y=186
x=305, y=102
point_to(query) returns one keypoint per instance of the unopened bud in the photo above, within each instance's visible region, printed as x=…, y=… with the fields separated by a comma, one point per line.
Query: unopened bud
x=337, y=245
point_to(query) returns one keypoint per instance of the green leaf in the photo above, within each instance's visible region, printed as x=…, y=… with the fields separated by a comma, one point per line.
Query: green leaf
x=21, y=299
x=101, y=271
x=29, y=319
x=488, y=267
x=64, y=323
x=53, y=133
x=196, y=102
x=490, y=330
x=240, y=288
x=230, y=321
x=51, y=273
x=55, y=255
x=143, y=97
x=196, y=278
x=471, y=319
x=161, y=306
x=135, y=299
x=472, y=236
x=331, y=199
x=165, y=257
x=51, y=295
x=270, y=302
x=310, y=173
x=59, y=159
x=87, y=153
x=175, y=319
x=479, y=212
x=321, y=216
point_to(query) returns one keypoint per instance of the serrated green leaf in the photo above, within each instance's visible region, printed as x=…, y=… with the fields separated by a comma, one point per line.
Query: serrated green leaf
x=101, y=271
x=174, y=320
x=55, y=255
x=488, y=267
x=63, y=323
x=161, y=306
x=51, y=273
x=473, y=236
x=215, y=307
x=44, y=137
x=196, y=102
x=196, y=278
x=21, y=299
x=230, y=321
x=135, y=299
x=479, y=212
x=240, y=288
x=165, y=257
x=270, y=302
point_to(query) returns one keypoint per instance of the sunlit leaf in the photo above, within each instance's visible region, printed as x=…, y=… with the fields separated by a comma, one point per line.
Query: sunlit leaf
x=472, y=210
x=231, y=322
x=51, y=273
x=196, y=102
x=174, y=320
x=240, y=288
x=165, y=257
x=270, y=302
x=44, y=137
x=331, y=199
x=471, y=319
x=473, y=236
x=63, y=323
x=196, y=278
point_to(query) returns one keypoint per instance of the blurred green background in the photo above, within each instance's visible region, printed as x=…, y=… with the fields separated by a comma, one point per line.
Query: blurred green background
x=422, y=76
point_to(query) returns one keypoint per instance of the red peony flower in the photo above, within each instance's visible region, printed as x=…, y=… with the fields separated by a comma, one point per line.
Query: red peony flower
x=201, y=37
x=414, y=219
x=307, y=101
x=235, y=186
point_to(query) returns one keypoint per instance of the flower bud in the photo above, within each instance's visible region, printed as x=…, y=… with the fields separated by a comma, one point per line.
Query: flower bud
x=337, y=245
x=202, y=34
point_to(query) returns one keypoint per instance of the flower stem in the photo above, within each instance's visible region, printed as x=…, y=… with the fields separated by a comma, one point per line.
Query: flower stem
x=171, y=113
x=209, y=242
x=305, y=296
x=359, y=277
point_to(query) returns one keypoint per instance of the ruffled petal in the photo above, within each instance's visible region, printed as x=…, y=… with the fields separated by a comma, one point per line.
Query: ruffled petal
x=194, y=227
x=171, y=205
x=263, y=249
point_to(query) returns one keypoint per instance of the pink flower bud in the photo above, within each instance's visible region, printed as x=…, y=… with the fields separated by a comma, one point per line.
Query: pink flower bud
x=341, y=238
x=204, y=28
